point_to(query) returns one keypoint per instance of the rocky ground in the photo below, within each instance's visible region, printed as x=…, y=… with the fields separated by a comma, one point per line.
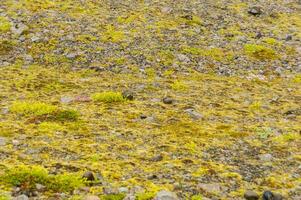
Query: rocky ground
x=150, y=99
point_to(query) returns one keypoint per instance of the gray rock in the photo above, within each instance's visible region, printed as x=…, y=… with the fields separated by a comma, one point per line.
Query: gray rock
x=183, y=58
x=21, y=197
x=193, y=114
x=35, y=38
x=255, y=10
x=266, y=157
x=19, y=29
x=167, y=100
x=3, y=141
x=66, y=99
x=251, y=195
x=40, y=187
x=166, y=195
x=128, y=95
x=277, y=196
x=28, y=58
x=89, y=176
x=71, y=55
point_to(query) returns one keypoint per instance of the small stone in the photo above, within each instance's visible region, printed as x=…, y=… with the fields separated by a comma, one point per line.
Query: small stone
x=258, y=35
x=143, y=116
x=130, y=197
x=128, y=95
x=255, y=10
x=35, y=38
x=3, y=141
x=71, y=55
x=66, y=99
x=183, y=58
x=193, y=114
x=210, y=187
x=167, y=100
x=266, y=157
x=89, y=176
x=91, y=197
x=123, y=190
x=157, y=158
x=15, y=142
x=166, y=195
x=40, y=187
x=21, y=197
x=251, y=195
x=267, y=195
x=19, y=29
x=288, y=37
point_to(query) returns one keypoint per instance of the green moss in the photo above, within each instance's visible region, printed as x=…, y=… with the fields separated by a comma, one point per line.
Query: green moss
x=179, y=85
x=119, y=196
x=5, y=25
x=213, y=53
x=5, y=46
x=112, y=35
x=33, y=108
x=197, y=197
x=66, y=115
x=28, y=176
x=108, y=97
x=260, y=52
x=145, y=196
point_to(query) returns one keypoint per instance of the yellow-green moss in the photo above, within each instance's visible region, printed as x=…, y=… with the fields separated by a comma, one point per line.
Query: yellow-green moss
x=119, y=196
x=179, y=85
x=112, y=35
x=5, y=25
x=108, y=97
x=29, y=176
x=260, y=52
x=145, y=196
x=33, y=108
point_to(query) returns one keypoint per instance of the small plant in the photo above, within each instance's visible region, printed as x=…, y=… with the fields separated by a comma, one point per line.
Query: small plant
x=108, y=97
x=197, y=197
x=145, y=196
x=178, y=85
x=33, y=108
x=27, y=177
x=66, y=115
x=119, y=196
x=4, y=24
x=112, y=35
x=260, y=52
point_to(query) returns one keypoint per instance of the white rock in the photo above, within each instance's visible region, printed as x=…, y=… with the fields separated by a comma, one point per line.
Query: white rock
x=21, y=197
x=266, y=157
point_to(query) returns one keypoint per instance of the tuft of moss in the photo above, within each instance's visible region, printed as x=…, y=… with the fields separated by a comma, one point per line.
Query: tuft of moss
x=260, y=52
x=67, y=115
x=27, y=177
x=145, y=196
x=108, y=97
x=178, y=85
x=112, y=35
x=197, y=197
x=118, y=196
x=33, y=108
x=5, y=25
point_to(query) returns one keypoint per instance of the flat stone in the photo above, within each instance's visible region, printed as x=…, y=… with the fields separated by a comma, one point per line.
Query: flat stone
x=21, y=197
x=193, y=114
x=251, y=195
x=210, y=187
x=166, y=195
x=66, y=99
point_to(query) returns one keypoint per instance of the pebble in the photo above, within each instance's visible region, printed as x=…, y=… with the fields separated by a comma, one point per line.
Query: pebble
x=89, y=176
x=19, y=29
x=267, y=195
x=166, y=195
x=277, y=196
x=210, y=187
x=71, y=55
x=21, y=197
x=251, y=195
x=167, y=100
x=266, y=157
x=40, y=187
x=66, y=99
x=193, y=114
x=123, y=190
x=128, y=95
x=3, y=141
x=255, y=10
